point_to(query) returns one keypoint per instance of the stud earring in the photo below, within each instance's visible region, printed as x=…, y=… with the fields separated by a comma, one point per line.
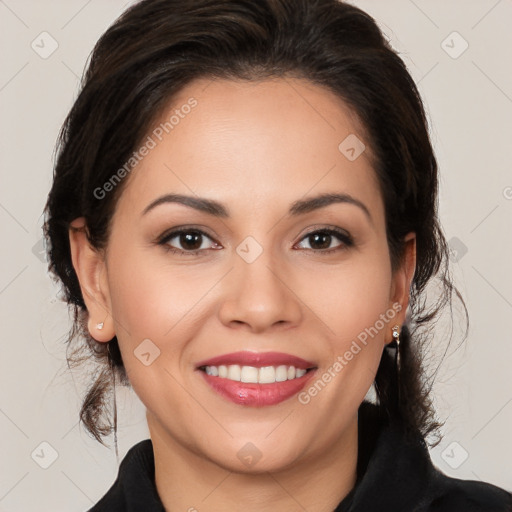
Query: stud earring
x=99, y=326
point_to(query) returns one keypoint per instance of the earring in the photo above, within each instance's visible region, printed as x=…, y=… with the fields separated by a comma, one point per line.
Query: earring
x=99, y=326
x=396, y=338
x=396, y=344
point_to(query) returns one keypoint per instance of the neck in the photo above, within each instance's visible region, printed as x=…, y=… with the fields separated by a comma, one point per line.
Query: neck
x=190, y=482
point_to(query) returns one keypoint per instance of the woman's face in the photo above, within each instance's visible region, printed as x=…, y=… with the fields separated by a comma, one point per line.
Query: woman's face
x=267, y=269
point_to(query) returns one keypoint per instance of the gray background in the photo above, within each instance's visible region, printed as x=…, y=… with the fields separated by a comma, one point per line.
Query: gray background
x=469, y=100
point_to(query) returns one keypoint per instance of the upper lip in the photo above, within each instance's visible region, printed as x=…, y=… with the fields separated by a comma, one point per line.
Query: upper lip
x=257, y=359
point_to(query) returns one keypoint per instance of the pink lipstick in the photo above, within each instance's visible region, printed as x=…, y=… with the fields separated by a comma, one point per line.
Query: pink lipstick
x=256, y=379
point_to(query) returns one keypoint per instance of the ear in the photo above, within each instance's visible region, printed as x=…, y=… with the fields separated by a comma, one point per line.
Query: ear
x=89, y=265
x=402, y=279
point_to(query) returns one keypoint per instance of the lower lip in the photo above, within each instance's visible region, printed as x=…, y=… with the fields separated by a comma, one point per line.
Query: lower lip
x=257, y=395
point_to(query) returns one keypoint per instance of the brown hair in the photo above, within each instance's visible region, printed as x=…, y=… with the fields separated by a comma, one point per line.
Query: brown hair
x=159, y=46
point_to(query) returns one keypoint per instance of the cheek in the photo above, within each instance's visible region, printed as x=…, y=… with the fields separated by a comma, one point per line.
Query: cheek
x=352, y=302
x=139, y=301
x=153, y=302
x=149, y=297
x=350, y=297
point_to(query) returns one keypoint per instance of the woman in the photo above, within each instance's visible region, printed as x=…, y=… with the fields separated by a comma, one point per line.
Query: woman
x=244, y=218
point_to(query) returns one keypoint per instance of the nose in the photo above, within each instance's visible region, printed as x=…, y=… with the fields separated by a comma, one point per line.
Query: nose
x=259, y=296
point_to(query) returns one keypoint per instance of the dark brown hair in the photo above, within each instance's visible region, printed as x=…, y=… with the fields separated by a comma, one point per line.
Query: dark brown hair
x=159, y=46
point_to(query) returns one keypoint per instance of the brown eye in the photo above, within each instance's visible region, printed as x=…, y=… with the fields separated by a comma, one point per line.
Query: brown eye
x=186, y=241
x=321, y=240
x=190, y=241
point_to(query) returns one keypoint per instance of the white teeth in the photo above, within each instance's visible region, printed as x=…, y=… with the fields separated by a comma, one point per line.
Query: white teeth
x=234, y=372
x=212, y=370
x=267, y=375
x=281, y=373
x=251, y=374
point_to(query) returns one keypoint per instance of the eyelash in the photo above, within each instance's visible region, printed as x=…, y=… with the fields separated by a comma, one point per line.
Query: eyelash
x=346, y=240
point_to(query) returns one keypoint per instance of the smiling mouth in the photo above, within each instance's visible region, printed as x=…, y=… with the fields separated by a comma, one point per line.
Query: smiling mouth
x=252, y=386
x=256, y=375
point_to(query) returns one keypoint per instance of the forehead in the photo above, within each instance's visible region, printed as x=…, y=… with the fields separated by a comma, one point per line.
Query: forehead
x=254, y=144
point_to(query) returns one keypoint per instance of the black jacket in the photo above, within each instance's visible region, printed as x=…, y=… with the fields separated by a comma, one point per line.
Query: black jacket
x=392, y=475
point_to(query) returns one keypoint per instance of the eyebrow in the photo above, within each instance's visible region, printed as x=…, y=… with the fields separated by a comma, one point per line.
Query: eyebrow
x=299, y=207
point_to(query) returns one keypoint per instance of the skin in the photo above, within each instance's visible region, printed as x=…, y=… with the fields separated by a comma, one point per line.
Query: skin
x=255, y=147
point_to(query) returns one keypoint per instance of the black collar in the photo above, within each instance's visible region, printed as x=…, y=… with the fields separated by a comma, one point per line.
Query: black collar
x=394, y=473
x=392, y=469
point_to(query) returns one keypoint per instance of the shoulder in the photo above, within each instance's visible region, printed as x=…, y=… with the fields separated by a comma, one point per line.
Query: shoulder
x=450, y=494
x=134, y=488
x=396, y=472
